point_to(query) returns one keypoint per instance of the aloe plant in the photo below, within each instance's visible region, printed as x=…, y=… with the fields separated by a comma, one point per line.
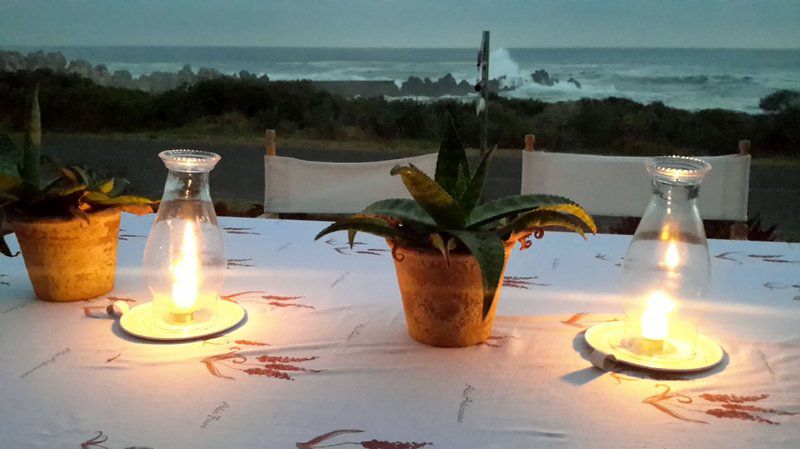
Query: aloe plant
x=445, y=214
x=37, y=186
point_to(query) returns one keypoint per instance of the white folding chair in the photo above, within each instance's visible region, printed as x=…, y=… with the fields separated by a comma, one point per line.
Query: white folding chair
x=618, y=186
x=311, y=187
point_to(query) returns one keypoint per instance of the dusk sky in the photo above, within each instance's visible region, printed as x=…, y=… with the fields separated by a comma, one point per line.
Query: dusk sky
x=403, y=23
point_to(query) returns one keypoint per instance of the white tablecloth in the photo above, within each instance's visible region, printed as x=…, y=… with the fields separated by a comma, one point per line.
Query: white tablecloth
x=324, y=359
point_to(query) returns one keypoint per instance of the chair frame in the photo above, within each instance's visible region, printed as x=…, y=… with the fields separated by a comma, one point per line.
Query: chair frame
x=738, y=229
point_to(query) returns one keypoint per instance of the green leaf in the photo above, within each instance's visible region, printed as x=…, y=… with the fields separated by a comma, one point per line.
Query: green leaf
x=101, y=199
x=512, y=205
x=540, y=219
x=62, y=190
x=472, y=194
x=403, y=209
x=76, y=174
x=119, y=186
x=490, y=253
x=9, y=183
x=431, y=196
x=351, y=237
x=10, y=156
x=437, y=242
x=452, y=167
x=106, y=186
x=372, y=225
x=577, y=212
x=4, y=249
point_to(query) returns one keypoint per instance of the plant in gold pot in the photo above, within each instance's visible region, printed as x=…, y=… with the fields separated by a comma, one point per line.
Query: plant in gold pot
x=449, y=251
x=66, y=219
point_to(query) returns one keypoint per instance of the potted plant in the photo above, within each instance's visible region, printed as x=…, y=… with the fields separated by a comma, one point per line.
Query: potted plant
x=449, y=251
x=66, y=219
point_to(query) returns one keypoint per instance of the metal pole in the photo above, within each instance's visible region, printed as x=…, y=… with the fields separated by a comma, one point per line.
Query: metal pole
x=485, y=92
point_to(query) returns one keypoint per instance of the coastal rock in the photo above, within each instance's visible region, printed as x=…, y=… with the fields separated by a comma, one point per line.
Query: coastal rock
x=80, y=67
x=100, y=75
x=575, y=82
x=445, y=85
x=186, y=76
x=158, y=81
x=56, y=61
x=122, y=78
x=11, y=61
x=542, y=77
x=36, y=60
x=780, y=101
x=245, y=75
x=206, y=73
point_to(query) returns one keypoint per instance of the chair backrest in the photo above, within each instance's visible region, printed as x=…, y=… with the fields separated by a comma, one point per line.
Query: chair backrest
x=620, y=186
x=299, y=186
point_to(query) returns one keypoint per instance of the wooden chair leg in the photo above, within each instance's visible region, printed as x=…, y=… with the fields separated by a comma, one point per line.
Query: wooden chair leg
x=739, y=231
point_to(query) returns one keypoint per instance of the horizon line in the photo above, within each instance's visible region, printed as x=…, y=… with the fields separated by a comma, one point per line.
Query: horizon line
x=300, y=47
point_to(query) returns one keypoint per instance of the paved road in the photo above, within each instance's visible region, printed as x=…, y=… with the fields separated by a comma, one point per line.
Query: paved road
x=774, y=190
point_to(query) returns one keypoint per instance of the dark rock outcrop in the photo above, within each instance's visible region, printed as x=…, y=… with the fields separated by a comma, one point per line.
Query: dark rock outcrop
x=780, y=101
x=542, y=77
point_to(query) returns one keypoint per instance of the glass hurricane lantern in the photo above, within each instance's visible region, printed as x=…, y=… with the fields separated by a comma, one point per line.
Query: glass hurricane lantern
x=665, y=273
x=184, y=259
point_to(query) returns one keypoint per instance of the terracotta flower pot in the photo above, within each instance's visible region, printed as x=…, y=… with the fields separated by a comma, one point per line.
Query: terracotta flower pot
x=69, y=259
x=443, y=303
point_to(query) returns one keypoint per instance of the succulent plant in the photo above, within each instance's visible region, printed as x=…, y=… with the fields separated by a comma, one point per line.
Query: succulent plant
x=445, y=214
x=37, y=186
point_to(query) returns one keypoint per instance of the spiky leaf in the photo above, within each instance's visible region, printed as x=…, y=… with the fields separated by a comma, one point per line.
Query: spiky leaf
x=539, y=219
x=452, y=167
x=119, y=186
x=101, y=199
x=437, y=242
x=372, y=225
x=9, y=183
x=76, y=174
x=60, y=190
x=403, y=209
x=512, y=205
x=106, y=186
x=351, y=237
x=489, y=251
x=577, y=212
x=431, y=196
x=472, y=194
x=10, y=156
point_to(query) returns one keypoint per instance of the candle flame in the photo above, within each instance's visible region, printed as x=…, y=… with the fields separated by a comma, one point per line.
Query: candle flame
x=185, y=272
x=672, y=258
x=655, y=319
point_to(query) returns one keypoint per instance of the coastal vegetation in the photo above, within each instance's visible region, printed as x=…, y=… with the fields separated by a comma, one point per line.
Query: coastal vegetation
x=297, y=108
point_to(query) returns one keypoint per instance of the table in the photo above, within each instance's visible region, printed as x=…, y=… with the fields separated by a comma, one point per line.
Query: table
x=324, y=359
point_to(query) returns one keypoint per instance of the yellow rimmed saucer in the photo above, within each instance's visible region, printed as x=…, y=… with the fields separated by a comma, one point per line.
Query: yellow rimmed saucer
x=606, y=339
x=141, y=322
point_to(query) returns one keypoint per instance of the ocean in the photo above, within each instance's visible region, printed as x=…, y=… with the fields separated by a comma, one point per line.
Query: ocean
x=691, y=79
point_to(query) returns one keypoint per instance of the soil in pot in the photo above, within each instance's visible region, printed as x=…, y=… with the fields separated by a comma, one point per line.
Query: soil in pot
x=443, y=303
x=70, y=259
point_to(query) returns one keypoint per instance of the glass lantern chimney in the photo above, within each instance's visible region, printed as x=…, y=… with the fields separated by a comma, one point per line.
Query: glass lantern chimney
x=184, y=259
x=666, y=269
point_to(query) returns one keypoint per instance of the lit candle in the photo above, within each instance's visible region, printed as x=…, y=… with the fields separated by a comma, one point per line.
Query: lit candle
x=185, y=277
x=671, y=258
x=655, y=321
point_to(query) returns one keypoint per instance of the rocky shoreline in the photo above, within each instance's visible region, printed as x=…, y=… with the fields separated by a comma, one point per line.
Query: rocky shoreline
x=11, y=61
